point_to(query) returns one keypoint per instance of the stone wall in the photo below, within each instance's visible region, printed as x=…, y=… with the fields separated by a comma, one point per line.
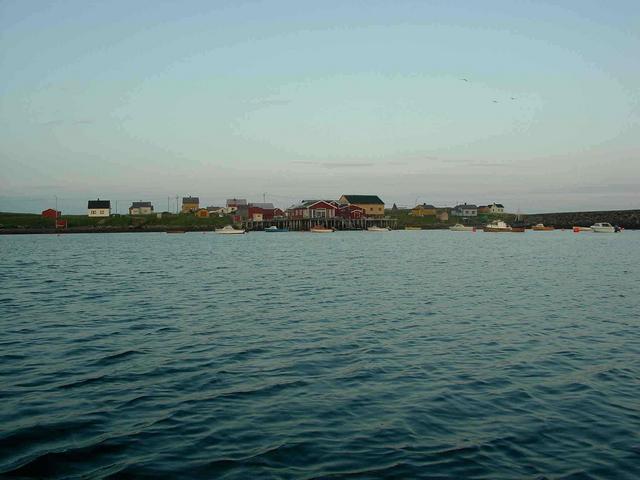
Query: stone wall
x=625, y=218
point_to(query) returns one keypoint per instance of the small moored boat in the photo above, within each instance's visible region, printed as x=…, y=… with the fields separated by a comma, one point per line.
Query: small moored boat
x=273, y=228
x=413, y=228
x=321, y=229
x=378, y=229
x=497, y=227
x=581, y=229
x=458, y=227
x=229, y=230
x=603, y=228
x=540, y=227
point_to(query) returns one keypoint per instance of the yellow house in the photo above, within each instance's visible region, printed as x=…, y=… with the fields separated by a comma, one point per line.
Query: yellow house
x=190, y=204
x=202, y=213
x=423, y=210
x=372, y=205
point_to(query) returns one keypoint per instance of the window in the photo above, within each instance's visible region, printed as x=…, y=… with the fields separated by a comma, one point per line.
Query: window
x=93, y=212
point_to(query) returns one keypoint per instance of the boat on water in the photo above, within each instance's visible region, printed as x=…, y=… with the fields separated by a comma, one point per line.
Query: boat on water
x=518, y=225
x=540, y=227
x=378, y=229
x=603, y=228
x=497, y=227
x=413, y=228
x=321, y=229
x=458, y=227
x=273, y=228
x=229, y=230
x=581, y=229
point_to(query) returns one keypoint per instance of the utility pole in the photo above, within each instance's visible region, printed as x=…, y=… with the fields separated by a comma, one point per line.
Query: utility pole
x=168, y=209
x=176, y=204
x=116, y=207
x=264, y=198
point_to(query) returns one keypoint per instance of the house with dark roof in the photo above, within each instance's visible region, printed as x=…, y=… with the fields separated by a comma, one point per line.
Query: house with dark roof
x=496, y=208
x=372, y=205
x=465, y=210
x=141, y=208
x=423, y=210
x=190, y=204
x=313, y=209
x=99, y=208
x=260, y=211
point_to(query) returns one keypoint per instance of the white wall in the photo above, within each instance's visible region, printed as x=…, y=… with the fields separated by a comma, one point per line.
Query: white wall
x=99, y=212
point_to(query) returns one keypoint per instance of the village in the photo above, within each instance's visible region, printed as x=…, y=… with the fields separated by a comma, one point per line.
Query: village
x=352, y=212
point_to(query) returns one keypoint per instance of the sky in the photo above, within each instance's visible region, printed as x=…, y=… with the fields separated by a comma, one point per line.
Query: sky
x=535, y=105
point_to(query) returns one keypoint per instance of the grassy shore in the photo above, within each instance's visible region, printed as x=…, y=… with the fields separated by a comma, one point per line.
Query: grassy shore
x=26, y=221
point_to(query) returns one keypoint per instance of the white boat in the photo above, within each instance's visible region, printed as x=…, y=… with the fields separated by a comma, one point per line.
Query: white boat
x=540, y=227
x=378, y=229
x=229, y=230
x=273, y=228
x=497, y=226
x=458, y=227
x=321, y=229
x=603, y=228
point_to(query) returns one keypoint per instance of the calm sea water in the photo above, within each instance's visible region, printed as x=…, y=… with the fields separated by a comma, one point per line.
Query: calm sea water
x=350, y=355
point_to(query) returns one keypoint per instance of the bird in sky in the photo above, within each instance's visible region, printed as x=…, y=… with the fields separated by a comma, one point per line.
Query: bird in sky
x=513, y=98
x=464, y=79
x=495, y=101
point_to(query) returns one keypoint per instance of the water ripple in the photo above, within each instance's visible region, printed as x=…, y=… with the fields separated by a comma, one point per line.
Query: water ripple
x=421, y=355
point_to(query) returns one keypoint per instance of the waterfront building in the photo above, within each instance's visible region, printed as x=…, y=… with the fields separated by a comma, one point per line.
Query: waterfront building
x=465, y=210
x=99, y=208
x=350, y=212
x=141, y=208
x=190, y=204
x=313, y=209
x=372, y=205
x=496, y=208
x=483, y=209
x=202, y=213
x=51, y=213
x=235, y=204
x=423, y=210
x=260, y=211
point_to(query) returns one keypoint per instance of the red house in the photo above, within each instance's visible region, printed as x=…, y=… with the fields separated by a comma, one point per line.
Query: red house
x=313, y=209
x=350, y=212
x=51, y=213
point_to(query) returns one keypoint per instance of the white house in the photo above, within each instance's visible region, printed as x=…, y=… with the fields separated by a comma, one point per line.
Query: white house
x=496, y=208
x=99, y=208
x=141, y=208
x=465, y=210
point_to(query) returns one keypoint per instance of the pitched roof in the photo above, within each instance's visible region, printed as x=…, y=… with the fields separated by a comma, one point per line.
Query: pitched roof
x=141, y=205
x=264, y=206
x=366, y=199
x=190, y=200
x=499, y=205
x=466, y=205
x=424, y=205
x=236, y=202
x=99, y=204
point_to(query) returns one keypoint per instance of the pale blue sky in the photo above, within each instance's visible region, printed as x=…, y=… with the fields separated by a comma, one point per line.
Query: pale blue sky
x=148, y=99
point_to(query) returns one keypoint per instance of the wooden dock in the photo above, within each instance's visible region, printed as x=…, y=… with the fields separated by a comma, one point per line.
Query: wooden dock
x=305, y=224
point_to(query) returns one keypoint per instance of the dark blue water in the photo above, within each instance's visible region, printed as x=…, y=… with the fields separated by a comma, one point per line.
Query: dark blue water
x=350, y=355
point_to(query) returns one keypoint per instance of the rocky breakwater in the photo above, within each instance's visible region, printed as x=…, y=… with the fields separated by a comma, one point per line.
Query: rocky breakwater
x=629, y=219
